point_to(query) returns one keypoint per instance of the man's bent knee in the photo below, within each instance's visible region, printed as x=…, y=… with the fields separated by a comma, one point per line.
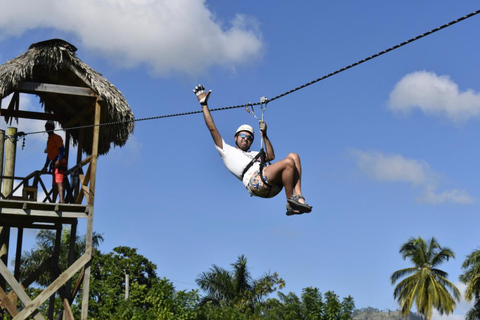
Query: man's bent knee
x=294, y=156
x=289, y=162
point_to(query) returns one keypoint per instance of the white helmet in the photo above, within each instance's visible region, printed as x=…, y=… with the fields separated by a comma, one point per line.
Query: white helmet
x=245, y=127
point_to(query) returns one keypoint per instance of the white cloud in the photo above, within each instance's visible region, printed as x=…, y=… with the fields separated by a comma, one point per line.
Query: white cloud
x=454, y=195
x=26, y=125
x=434, y=95
x=164, y=35
x=396, y=168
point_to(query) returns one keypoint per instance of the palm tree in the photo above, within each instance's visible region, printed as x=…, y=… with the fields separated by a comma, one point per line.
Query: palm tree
x=425, y=285
x=471, y=278
x=236, y=288
x=33, y=259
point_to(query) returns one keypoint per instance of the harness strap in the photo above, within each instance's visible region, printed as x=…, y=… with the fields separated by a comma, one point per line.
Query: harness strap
x=260, y=155
x=252, y=162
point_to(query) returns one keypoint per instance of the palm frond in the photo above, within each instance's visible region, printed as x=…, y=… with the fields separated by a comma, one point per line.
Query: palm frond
x=402, y=273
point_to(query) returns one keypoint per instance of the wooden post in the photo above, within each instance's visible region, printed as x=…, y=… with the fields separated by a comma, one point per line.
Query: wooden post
x=67, y=188
x=9, y=170
x=4, y=239
x=91, y=201
x=18, y=254
x=76, y=186
x=2, y=145
x=71, y=258
x=7, y=187
x=56, y=269
x=93, y=163
x=127, y=284
x=67, y=146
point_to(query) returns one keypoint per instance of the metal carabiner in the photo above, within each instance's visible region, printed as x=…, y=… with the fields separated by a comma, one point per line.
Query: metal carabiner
x=263, y=101
x=252, y=110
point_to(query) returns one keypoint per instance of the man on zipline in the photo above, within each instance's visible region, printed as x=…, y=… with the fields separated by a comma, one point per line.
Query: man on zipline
x=245, y=164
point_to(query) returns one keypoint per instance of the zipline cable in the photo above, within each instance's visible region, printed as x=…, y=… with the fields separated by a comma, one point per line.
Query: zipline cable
x=280, y=95
x=378, y=54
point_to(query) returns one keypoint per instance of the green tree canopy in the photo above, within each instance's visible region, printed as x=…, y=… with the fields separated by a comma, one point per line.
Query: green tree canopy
x=44, y=250
x=312, y=306
x=236, y=287
x=109, y=273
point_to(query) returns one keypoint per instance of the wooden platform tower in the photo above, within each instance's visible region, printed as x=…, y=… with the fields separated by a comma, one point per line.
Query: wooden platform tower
x=80, y=100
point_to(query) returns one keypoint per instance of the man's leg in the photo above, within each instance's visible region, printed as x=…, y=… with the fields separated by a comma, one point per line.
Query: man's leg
x=288, y=173
x=298, y=166
x=60, y=192
x=58, y=176
x=54, y=188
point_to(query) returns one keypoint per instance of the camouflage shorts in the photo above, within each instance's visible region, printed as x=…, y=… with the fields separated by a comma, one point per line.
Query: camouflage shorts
x=258, y=188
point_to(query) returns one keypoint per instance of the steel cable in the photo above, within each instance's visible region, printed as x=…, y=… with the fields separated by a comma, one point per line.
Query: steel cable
x=285, y=93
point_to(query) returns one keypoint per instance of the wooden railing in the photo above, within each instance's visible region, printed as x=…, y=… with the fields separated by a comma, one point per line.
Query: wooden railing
x=75, y=185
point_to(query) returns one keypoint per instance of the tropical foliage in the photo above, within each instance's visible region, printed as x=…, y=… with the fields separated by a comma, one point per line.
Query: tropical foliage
x=236, y=288
x=232, y=294
x=425, y=284
x=471, y=277
x=311, y=306
x=32, y=260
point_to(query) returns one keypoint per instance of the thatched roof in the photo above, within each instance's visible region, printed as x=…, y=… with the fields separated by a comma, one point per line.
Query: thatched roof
x=55, y=62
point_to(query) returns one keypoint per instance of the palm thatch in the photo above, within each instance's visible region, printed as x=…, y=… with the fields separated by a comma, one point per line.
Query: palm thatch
x=55, y=62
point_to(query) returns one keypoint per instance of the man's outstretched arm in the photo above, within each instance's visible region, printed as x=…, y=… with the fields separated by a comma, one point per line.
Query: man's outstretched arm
x=203, y=97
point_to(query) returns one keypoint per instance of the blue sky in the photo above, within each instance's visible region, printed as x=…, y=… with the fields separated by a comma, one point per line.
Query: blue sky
x=389, y=148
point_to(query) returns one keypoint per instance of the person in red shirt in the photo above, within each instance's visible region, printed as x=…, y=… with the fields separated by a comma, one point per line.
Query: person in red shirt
x=55, y=161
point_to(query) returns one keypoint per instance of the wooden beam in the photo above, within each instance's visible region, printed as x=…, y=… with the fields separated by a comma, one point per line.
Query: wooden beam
x=71, y=258
x=43, y=213
x=30, y=115
x=79, y=165
x=67, y=311
x=93, y=163
x=18, y=254
x=84, y=180
x=55, y=285
x=79, y=158
x=56, y=270
x=91, y=201
x=11, y=307
x=86, y=274
x=79, y=118
x=36, y=87
x=35, y=210
x=11, y=105
x=35, y=222
x=17, y=288
x=86, y=193
x=32, y=277
x=76, y=288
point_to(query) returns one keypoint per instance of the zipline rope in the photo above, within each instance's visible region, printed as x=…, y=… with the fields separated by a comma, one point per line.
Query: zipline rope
x=283, y=94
